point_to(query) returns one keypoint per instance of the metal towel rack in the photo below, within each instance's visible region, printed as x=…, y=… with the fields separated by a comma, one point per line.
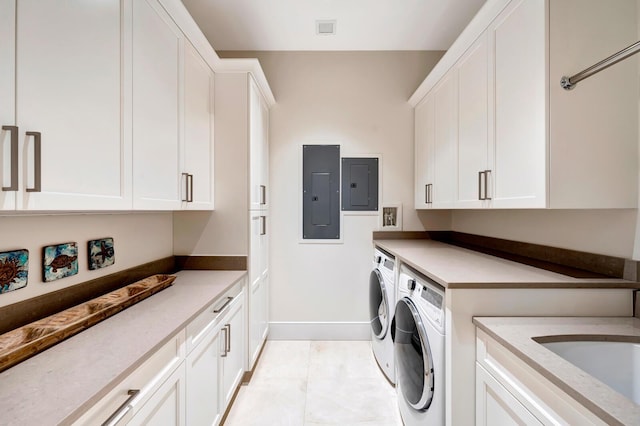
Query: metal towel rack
x=569, y=83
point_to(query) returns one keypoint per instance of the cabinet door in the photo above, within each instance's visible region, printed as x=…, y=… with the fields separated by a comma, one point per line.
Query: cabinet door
x=167, y=406
x=264, y=153
x=473, y=124
x=424, y=151
x=69, y=70
x=520, y=105
x=234, y=358
x=257, y=188
x=203, y=402
x=445, y=137
x=7, y=93
x=495, y=406
x=157, y=71
x=198, y=132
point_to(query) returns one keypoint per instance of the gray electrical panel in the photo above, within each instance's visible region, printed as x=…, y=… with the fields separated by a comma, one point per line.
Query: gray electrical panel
x=321, y=192
x=360, y=184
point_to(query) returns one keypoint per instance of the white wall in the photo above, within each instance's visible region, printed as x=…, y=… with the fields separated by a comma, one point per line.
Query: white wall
x=609, y=232
x=138, y=238
x=357, y=100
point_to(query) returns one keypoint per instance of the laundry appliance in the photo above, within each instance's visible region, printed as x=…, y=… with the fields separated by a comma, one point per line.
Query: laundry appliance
x=382, y=299
x=419, y=348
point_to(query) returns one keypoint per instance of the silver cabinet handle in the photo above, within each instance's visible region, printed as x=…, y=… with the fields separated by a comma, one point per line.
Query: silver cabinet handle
x=263, y=225
x=13, y=186
x=486, y=184
x=263, y=195
x=37, y=163
x=123, y=409
x=221, y=308
x=426, y=194
x=429, y=193
x=480, y=186
x=228, y=338
x=188, y=188
x=224, y=346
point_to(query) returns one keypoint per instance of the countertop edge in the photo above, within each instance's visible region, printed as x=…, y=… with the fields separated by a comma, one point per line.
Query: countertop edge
x=71, y=410
x=562, y=281
x=555, y=379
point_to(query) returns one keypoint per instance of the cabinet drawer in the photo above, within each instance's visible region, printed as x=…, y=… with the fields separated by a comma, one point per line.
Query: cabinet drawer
x=207, y=319
x=139, y=386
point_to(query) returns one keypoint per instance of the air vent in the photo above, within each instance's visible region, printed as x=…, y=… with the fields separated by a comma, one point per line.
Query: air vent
x=326, y=27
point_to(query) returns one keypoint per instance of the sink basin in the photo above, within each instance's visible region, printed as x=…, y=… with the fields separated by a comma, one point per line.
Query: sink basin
x=617, y=364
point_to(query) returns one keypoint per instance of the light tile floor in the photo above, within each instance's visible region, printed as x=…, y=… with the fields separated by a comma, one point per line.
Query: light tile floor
x=303, y=383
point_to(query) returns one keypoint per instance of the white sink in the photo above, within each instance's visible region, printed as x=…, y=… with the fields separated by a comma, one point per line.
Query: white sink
x=616, y=364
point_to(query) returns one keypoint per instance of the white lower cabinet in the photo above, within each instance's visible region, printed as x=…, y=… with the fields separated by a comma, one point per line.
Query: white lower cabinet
x=232, y=359
x=510, y=392
x=190, y=380
x=215, y=365
x=203, y=404
x=495, y=406
x=167, y=405
x=146, y=385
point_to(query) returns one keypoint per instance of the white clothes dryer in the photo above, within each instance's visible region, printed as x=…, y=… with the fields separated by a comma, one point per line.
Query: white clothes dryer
x=420, y=349
x=382, y=301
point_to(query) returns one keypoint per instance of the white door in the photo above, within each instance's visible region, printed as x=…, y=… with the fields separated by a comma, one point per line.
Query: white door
x=157, y=58
x=234, y=357
x=197, y=176
x=445, y=137
x=255, y=310
x=264, y=154
x=424, y=151
x=69, y=98
x=203, y=396
x=496, y=406
x=7, y=106
x=257, y=188
x=473, y=125
x=167, y=406
x=520, y=105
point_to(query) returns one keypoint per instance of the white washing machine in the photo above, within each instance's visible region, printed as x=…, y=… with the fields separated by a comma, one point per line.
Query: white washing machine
x=419, y=349
x=382, y=300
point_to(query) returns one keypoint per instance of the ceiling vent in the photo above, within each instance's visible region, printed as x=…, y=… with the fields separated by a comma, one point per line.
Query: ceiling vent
x=326, y=27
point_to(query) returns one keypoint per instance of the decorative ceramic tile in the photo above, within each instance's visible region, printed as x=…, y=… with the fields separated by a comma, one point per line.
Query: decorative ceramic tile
x=14, y=270
x=101, y=253
x=60, y=261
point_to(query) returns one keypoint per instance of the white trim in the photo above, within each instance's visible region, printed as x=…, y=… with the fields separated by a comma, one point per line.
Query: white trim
x=302, y=330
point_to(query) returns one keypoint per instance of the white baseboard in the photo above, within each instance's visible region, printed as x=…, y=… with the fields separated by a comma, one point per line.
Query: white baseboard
x=319, y=331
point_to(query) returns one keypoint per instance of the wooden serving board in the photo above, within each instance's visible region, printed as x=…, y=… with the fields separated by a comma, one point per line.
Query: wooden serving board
x=26, y=341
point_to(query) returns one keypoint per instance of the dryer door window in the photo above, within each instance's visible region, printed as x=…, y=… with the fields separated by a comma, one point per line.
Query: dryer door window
x=413, y=356
x=378, y=305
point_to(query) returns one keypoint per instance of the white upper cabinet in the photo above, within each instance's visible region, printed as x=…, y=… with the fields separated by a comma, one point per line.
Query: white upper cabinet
x=518, y=86
x=435, y=149
x=445, y=136
x=65, y=79
x=424, y=149
x=158, y=49
x=258, y=148
x=7, y=107
x=473, y=131
x=198, y=132
x=522, y=141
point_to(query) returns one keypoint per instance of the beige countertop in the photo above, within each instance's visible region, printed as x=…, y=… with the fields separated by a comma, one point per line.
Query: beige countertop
x=456, y=267
x=63, y=381
x=517, y=333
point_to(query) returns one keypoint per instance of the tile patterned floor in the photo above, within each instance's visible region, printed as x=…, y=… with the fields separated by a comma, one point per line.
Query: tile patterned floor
x=303, y=383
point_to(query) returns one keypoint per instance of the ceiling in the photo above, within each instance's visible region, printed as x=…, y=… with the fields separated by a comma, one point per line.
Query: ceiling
x=361, y=24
